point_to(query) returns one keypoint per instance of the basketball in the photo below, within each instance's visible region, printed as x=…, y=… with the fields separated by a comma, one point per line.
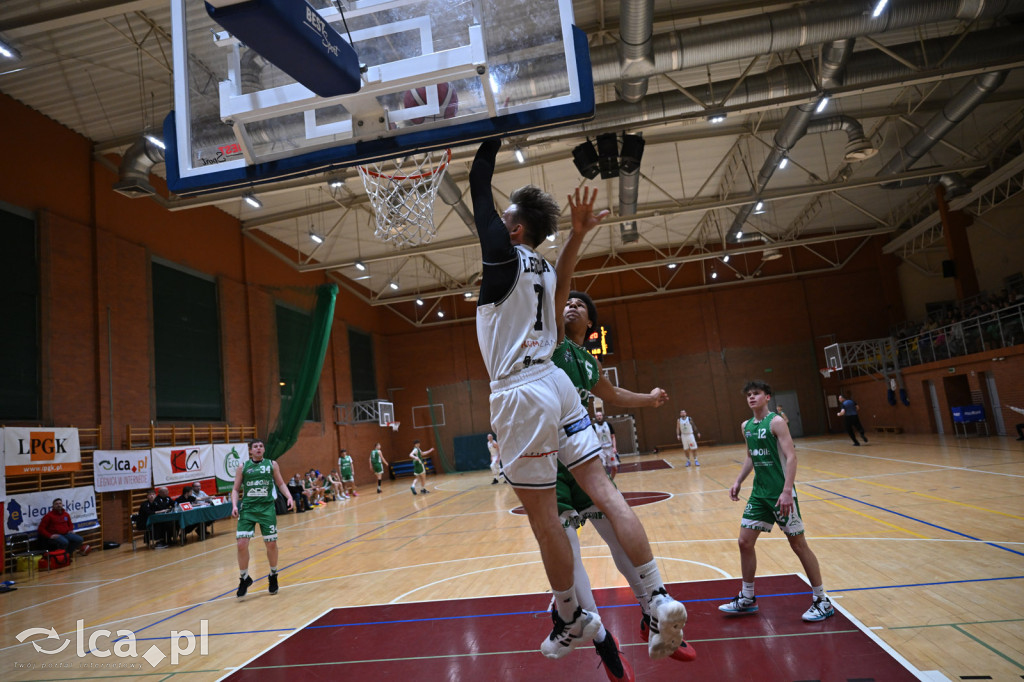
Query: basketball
x=447, y=100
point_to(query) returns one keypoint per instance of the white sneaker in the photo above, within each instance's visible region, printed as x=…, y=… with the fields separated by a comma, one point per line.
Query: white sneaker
x=740, y=604
x=565, y=637
x=820, y=610
x=667, y=620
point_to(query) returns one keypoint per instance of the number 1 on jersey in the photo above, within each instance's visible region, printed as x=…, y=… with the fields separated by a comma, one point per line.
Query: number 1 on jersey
x=539, y=324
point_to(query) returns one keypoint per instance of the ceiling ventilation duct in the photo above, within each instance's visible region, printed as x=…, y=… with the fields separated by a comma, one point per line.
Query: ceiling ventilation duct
x=135, y=167
x=955, y=111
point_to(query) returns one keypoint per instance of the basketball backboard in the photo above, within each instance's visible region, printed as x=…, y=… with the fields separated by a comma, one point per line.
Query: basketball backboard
x=436, y=73
x=833, y=359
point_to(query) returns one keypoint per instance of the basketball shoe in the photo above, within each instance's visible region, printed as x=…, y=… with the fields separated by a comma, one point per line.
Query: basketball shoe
x=821, y=609
x=666, y=625
x=272, y=580
x=243, y=586
x=565, y=637
x=740, y=604
x=684, y=653
x=615, y=667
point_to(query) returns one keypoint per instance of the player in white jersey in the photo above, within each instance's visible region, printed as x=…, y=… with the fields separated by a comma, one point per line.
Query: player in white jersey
x=685, y=429
x=536, y=409
x=609, y=450
x=492, y=447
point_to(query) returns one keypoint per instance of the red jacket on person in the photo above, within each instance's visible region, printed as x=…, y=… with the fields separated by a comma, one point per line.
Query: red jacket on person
x=55, y=523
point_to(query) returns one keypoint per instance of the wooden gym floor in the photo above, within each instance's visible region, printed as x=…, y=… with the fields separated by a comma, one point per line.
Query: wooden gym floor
x=920, y=538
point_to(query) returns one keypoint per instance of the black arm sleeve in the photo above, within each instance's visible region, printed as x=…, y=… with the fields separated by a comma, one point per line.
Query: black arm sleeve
x=499, y=260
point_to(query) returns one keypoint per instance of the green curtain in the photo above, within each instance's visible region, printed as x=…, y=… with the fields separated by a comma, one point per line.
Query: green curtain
x=294, y=411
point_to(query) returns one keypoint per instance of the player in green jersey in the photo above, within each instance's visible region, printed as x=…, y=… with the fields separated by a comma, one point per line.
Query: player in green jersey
x=377, y=463
x=255, y=481
x=574, y=506
x=419, y=468
x=771, y=455
x=348, y=477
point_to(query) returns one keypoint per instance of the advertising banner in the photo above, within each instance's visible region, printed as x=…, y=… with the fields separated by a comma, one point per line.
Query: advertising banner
x=39, y=450
x=181, y=463
x=227, y=457
x=122, y=470
x=25, y=510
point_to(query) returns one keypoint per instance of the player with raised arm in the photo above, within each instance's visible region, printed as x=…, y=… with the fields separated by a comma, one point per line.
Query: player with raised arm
x=255, y=481
x=419, y=467
x=575, y=507
x=535, y=407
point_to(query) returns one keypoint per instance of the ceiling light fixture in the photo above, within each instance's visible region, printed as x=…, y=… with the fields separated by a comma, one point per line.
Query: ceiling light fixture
x=520, y=157
x=419, y=301
x=714, y=275
x=317, y=239
x=251, y=199
x=393, y=284
x=336, y=183
x=360, y=266
x=759, y=208
x=440, y=313
x=552, y=237
x=468, y=294
x=716, y=118
x=878, y=8
x=8, y=52
x=739, y=235
x=822, y=104
x=784, y=162
x=672, y=266
x=726, y=258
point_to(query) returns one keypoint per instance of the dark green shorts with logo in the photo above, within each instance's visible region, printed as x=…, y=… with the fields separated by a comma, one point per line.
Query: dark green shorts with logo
x=263, y=515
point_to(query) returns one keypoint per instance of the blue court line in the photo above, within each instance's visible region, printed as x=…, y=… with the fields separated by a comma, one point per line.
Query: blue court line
x=434, y=619
x=911, y=518
x=311, y=556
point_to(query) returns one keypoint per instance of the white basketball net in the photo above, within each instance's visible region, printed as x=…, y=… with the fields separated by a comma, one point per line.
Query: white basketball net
x=402, y=193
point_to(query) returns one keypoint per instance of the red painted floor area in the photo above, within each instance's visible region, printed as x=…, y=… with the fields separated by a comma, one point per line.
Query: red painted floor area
x=497, y=638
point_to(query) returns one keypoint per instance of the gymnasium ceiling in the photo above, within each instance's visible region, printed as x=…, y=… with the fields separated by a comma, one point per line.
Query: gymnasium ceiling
x=103, y=69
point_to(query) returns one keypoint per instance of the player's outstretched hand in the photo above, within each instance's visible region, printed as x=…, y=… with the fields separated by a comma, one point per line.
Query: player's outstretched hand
x=582, y=209
x=659, y=396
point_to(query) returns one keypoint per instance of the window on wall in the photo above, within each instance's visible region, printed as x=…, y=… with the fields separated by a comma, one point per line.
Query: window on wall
x=186, y=330
x=364, y=370
x=292, y=336
x=19, y=305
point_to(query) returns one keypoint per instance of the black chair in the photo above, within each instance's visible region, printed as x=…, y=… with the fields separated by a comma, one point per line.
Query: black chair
x=19, y=546
x=139, y=530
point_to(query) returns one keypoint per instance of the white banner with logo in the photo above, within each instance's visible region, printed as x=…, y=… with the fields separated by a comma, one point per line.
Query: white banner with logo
x=182, y=463
x=121, y=470
x=39, y=450
x=227, y=457
x=24, y=511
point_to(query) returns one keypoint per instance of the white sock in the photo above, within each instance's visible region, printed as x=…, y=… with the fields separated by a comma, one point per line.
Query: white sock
x=243, y=574
x=650, y=577
x=819, y=592
x=565, y=602
x=748, y=590
x=601, y=634
x=273, y=570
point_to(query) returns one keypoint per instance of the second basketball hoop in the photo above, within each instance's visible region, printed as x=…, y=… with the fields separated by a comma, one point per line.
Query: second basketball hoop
x=402, y=193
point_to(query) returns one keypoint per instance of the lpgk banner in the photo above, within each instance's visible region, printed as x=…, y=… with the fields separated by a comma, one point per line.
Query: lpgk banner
x=39, y=450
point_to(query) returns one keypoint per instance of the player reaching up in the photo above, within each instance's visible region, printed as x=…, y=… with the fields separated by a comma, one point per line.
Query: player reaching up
x=535, y=407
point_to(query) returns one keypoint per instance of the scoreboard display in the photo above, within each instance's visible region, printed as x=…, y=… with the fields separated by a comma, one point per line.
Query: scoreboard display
x=599, y=341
